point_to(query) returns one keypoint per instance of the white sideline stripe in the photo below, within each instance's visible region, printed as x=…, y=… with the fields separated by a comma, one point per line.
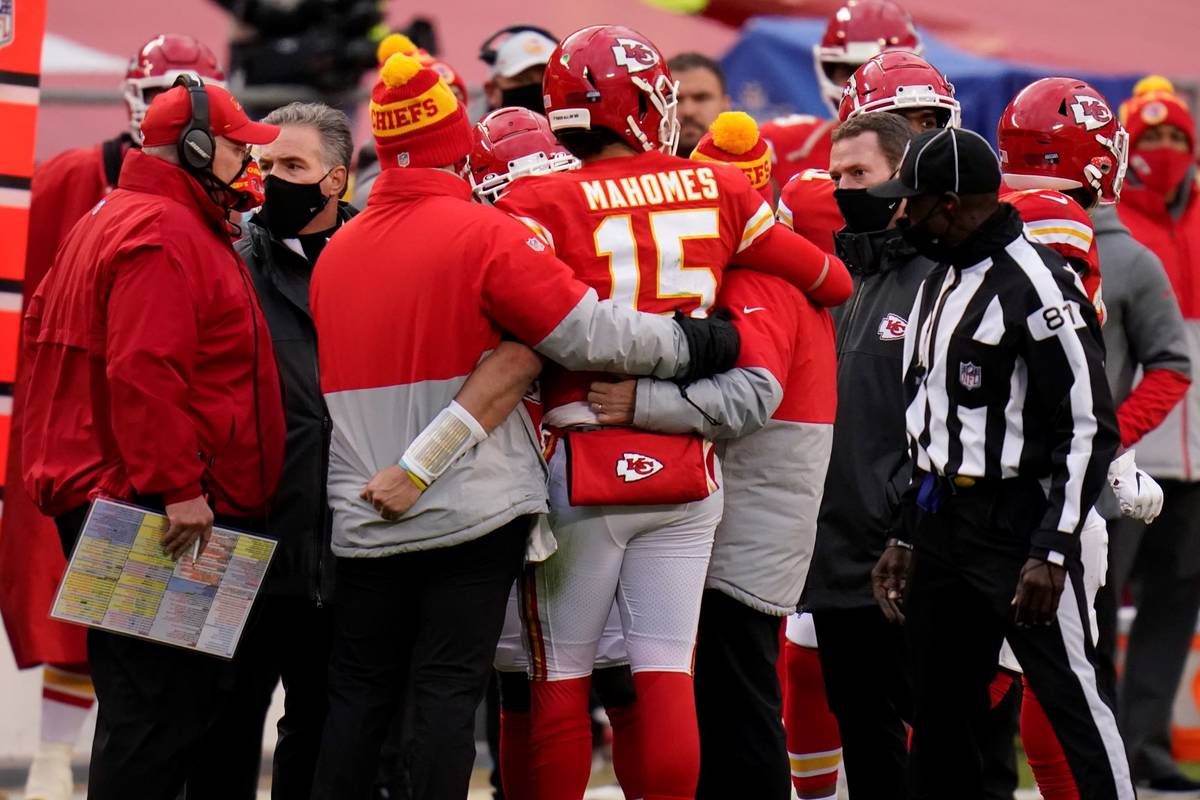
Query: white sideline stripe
x=10, y=301
x=18, y=95
x=14, y=198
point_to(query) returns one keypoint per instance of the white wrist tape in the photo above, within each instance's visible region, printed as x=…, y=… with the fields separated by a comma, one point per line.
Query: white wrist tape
x=451, y=434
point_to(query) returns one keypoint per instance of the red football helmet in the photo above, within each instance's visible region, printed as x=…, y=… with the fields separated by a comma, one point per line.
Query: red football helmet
x=510, y=143
x=1055, y=220
x=156, y=66
x=898, y=81
x=609, y=76
x=1060, y=133
x=858, y=31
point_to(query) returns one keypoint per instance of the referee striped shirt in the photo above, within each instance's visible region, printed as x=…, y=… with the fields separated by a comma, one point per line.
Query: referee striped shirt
x=1004, y=378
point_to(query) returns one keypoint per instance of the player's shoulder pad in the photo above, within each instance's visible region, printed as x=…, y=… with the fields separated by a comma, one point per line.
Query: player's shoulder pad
x=812, y=185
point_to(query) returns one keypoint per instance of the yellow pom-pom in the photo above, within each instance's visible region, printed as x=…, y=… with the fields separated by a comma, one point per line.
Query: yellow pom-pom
x=1152, y=84
x=392, y=44
x=734, y=132
x=399, y=70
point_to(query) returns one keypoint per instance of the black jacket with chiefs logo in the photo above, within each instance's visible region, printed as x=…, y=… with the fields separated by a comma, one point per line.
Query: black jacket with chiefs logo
x=869, y=468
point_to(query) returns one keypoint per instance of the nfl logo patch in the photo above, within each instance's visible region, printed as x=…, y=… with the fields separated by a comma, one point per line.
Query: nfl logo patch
x=535, y=244
x=403, y=159
x=970, y=375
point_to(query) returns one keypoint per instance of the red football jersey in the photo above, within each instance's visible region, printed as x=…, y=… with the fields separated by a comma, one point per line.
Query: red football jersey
x=798, y=142
x=806, y=205
x=1055, y=220
x=651, y=231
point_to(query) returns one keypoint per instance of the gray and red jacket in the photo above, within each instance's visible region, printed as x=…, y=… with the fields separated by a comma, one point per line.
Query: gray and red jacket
x=1149, y=267
x=774, y=414
x=407, y=298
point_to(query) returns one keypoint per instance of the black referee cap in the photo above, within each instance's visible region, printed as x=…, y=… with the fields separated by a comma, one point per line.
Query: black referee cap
x=944, y=160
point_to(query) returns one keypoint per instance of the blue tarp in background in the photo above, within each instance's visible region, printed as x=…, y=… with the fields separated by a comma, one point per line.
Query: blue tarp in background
x=770, y=72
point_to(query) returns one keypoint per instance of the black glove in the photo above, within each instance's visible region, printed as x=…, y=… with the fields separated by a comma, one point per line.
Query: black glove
x=713, y=344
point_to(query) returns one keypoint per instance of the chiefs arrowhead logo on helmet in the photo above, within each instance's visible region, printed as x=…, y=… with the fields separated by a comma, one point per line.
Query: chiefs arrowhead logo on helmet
x=1090, y=112
x=633, y=55
x=636, y=467
x=1061, y=134
x=612, y=77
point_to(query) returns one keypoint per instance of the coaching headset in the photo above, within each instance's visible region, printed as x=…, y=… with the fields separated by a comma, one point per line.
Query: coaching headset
x=196, y=146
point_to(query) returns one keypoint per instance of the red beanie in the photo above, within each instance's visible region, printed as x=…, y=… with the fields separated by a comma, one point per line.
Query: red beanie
x=416, y=119
x=733, y=138
x=1154, y=102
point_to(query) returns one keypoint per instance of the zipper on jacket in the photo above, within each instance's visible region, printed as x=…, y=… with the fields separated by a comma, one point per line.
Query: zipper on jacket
x=844, y=333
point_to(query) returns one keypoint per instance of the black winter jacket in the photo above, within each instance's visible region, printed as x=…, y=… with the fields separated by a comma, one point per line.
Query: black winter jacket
x=869, y=468
x=300, y=515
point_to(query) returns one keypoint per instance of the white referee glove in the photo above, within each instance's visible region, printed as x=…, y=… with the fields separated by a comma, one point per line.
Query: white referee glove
x=1138, y=495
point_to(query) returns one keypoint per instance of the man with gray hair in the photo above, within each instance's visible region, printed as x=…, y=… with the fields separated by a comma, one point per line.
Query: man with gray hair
x=305, y=171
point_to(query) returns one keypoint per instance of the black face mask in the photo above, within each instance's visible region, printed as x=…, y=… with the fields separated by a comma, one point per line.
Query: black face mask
x=288, y=206
x=918, y=235
x=528, y=96
x=862, y=212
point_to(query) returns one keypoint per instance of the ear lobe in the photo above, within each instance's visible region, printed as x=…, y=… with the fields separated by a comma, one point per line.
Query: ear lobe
x=341, y=177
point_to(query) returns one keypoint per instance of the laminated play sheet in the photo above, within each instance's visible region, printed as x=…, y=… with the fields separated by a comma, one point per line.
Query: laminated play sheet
x=120, y=580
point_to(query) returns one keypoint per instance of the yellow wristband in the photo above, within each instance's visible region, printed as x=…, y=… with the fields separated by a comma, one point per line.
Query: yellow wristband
x=412, y=476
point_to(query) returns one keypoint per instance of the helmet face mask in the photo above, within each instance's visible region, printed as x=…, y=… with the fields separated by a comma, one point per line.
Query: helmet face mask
x=511, y=143
x=1060, y=133
x=856, y=33
x=898, y=81
x=611, y=77
x=158, y=63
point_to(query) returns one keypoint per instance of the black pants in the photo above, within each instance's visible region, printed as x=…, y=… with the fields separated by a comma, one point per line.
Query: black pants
x=414, y=634
x=156, y=709
x=968, y=562
x=290, y=641
x=1162, y=563
x=868, y=684
x=739, y=705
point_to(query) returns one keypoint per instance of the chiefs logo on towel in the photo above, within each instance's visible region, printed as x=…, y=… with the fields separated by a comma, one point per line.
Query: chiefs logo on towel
x=636, y=467
x=627, y=467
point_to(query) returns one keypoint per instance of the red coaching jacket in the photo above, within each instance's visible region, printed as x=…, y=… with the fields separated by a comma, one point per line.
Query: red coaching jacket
x=774, y=413
x=151, y=368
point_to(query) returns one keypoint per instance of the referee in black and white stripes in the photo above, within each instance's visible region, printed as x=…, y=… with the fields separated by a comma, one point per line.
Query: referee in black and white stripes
x=1011, y=428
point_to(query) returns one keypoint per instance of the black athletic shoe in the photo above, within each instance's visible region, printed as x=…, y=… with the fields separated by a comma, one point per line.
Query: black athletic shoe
x=1171, y=786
